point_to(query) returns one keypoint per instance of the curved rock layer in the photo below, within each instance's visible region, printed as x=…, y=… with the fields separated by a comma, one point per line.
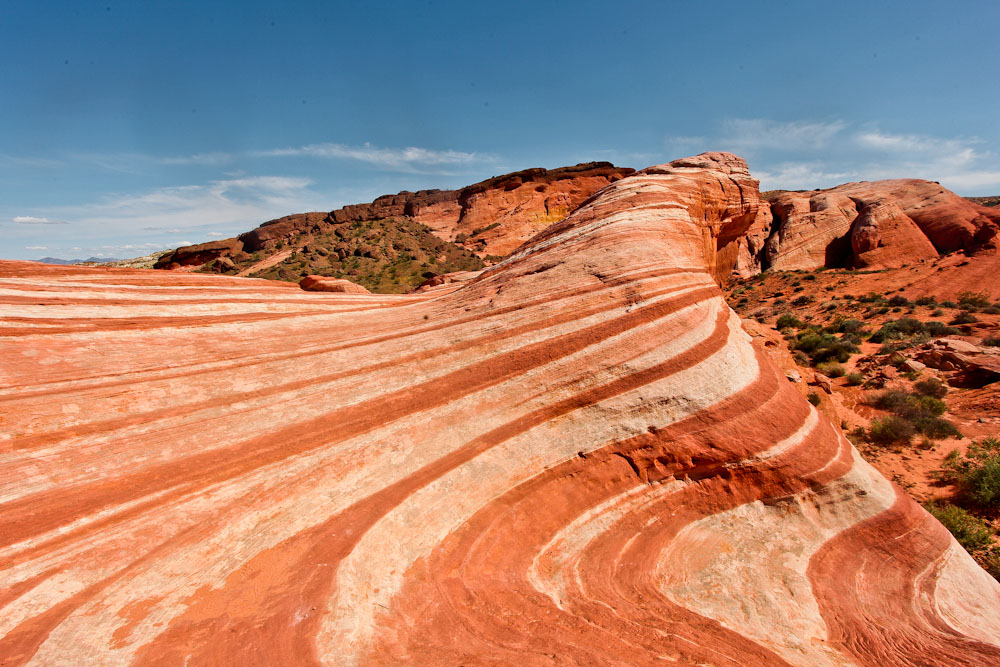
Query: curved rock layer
x=576, y=457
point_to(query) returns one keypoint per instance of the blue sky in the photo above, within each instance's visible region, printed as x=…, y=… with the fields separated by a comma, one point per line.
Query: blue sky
x=131, y=127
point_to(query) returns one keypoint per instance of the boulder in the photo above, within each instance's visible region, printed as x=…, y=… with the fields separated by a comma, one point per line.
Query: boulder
x=326, y=284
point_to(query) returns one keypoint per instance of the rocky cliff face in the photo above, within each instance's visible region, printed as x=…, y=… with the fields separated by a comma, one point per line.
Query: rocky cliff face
x=577, y=456
x=872, y=225
x=489, y=218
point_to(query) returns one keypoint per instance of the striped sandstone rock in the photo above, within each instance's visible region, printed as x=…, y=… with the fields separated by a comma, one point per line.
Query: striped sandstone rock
x=577, y=457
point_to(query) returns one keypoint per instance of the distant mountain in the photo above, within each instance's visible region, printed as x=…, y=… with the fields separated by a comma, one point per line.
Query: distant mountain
x=89, y=260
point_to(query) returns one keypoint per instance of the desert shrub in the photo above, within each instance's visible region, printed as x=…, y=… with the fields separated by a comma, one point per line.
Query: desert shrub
x=978, y=472
x=964, y=318
x=974, y=299
x=855, y=379
x=831, y=369
x=926, y=301
x=800, y=357
x=850, y=326
x=891, y=430
x=989, y=560
x=921, y=412
x=948, y=304
x=813, y=398
x=971, y=532
x=787, y=321
x=897, y=329
x=992, y=341
x=871, y=297
x=896, y=360
x=824, y=346
x=931, y=387
x=937, y=313
x=802, y=301
x=809, y=276
x=899, y=300
x=938, y=329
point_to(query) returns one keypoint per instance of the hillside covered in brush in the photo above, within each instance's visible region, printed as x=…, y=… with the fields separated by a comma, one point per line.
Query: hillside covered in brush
x=390, y=244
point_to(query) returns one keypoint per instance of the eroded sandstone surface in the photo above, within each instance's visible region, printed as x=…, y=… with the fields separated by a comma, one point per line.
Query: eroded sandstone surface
x=575, y=457
x=870, y=225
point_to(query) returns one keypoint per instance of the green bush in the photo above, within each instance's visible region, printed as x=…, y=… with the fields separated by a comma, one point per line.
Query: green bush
x=978, y=472
x=920, y=412
x=899, y=300
x=813, y=398
x=974, y=299
x=964, y=318
x=992, y=341
x=971, y=532
x=931, y=387
x=855, y=379
x=850, y=326
x=831, y=369
x=891, y=430
x=938, y=329
x=823, y=347
x=926, y=301
x=788, y=321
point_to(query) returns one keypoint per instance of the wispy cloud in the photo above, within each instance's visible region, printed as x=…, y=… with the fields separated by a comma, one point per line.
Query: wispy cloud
x=748, y=135
x=174, y=210
x=32, y=220
x=408, y=159
x=807, y=154
x=36, y=247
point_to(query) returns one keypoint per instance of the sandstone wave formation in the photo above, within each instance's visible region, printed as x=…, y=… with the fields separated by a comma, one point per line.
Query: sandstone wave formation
x=575, y=457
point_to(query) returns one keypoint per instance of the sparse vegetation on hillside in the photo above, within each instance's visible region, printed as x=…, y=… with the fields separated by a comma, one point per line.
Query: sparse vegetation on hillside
x=390, y=255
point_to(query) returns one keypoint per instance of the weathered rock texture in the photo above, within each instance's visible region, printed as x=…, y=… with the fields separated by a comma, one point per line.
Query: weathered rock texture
x=492, y=217
x=576, y=458
x=874, y=225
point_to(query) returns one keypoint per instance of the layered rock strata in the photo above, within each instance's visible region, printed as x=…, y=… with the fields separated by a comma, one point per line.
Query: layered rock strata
x=577, y=457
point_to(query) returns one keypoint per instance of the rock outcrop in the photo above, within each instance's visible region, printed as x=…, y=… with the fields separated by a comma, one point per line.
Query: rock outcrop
x=872, y=225
x=324, y=284
x=577, y=457
x=491, y=217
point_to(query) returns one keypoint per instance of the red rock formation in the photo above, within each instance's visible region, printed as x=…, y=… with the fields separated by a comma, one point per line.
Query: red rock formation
x=577, y=457
x=910, y=220
x=492, y=217
x=884, y=237
x=324, y=284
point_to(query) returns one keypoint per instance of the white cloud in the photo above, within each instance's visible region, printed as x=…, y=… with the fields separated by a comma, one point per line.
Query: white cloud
x=36, y=247
x=32, y=220
x=409, y=158
x=748, y=135
x=809, y=154
x=183, y=209
x=216, y=234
